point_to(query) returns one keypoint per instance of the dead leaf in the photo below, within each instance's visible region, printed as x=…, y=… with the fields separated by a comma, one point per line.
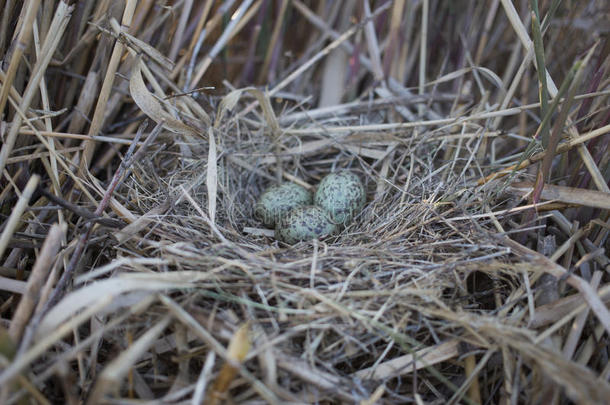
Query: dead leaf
x=237, y=352
x=151, y=106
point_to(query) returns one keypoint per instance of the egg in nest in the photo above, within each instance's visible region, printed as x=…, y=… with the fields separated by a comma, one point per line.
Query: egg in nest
x=341, y=194
x=277, y=201
x=305, y=223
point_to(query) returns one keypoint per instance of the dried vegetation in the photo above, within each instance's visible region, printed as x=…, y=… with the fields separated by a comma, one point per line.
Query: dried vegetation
x=137, y=135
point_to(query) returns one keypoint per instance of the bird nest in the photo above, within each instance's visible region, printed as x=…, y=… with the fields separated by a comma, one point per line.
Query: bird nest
x=461, y=281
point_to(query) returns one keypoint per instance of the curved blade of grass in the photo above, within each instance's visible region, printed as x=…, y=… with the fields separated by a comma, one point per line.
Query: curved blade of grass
x=565, y=85
x=563, y=116
x=549, y=15
x=531, y=147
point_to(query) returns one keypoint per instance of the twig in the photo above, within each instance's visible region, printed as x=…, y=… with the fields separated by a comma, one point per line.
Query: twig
x=18, y=210
x=80, y=211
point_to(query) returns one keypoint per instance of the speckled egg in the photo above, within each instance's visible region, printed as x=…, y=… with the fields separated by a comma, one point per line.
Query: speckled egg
x=341, y=194
x=305, y=223
x=277, y=201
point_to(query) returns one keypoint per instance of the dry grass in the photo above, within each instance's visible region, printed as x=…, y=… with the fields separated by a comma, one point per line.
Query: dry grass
x=138, y=135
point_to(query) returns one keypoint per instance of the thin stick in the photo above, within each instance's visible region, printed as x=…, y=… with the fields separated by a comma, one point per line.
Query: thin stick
x=81, y=212
x=66, y=135
x=18, y=210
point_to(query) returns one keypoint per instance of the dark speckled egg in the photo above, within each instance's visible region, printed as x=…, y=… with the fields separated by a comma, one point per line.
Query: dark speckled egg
x=305, y=223
x=341, y=194
x=277, y=201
